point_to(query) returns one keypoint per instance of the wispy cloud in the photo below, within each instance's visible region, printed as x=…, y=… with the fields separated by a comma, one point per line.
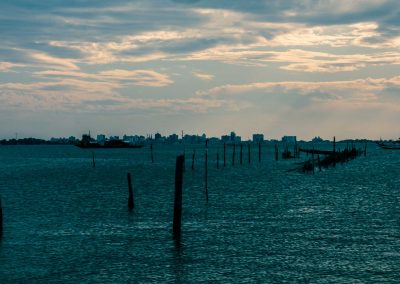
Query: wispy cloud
x=203, y=76
x=119, y=77
x=54, y=62
x=360, y=93
x=8, y=66
x=304, y=87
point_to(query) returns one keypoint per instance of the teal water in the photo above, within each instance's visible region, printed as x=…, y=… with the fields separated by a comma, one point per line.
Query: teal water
x=65, y=221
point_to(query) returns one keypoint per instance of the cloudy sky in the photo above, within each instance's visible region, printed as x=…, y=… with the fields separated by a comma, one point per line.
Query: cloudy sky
x=306, y=67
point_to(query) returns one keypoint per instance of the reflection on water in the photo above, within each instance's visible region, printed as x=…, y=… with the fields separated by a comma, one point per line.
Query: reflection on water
x=65, y=221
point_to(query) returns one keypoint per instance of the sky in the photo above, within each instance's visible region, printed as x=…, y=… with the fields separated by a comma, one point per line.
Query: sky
x=307, y=68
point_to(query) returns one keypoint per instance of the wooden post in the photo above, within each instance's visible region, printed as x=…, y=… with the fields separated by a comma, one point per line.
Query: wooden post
x=93, y=162
x=184, y=159
x=224, y=154
x=248, y=149
x=319, y=163
x=131, y=203
x=365, y=149
x=193, y=157
x=312, y=157
x=276, y=152
x=241, y=153
x=217, y=160
x=152, y=154
x=1, y=220
x=206, y=171
x=259, y=152
x=334, y=151
x=178, y=196
x=233, y=154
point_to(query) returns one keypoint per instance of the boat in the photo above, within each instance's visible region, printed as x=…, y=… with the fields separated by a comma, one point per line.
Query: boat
x=389, y=145
x=88, y=142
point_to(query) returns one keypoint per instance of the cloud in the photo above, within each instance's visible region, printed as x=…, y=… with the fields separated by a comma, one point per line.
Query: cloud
x=54, y=62
x=203, y=76
x=311, y=61
x=352, y=94
x=148, y=78
x=8, y=66
x=99, y=55
x=79, y=91
x=304, y=87
x=151, y=31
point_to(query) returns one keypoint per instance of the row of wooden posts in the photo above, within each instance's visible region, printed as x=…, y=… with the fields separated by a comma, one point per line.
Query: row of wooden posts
x=284, y=154
x=331, y=157
x=180, y=161
x=179, y=169
x=224, y=152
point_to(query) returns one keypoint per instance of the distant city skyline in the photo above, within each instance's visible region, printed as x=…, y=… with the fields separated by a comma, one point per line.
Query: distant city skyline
x=305, y=68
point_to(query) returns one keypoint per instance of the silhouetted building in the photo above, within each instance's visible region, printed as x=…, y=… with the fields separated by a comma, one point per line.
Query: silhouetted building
x=258, y=138
x=72, y=139
x=213, y=140
x=101, y=139
x=225, y=138
x=289, y=139
x=173, y=138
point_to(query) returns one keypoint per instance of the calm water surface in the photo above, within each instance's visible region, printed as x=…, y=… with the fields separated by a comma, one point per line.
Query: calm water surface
x=65, y=221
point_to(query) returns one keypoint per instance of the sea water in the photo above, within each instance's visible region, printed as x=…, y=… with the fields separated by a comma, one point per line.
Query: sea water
x=65, y=221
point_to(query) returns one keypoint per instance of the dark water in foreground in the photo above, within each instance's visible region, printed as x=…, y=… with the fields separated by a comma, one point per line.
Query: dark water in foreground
x=67, y=222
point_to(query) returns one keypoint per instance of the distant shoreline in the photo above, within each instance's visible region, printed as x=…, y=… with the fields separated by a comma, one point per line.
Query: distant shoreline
x=35, y=141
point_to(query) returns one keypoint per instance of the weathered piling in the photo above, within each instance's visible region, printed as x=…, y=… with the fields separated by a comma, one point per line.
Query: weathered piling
x=193, y=157
x=241, y=153
x=334, y=151
x=233, y=154
x=178, y=196
x=1, y=220
x=259, y=152
x=217, y=160
x=248, y=150
x=224, y=154
x=151, y=153
x=131, y=203
x=184, y=159
x=365, y=149
x=206, y=171
x=276, y=152
x=313, y=163
x=93, y=162
x=286, y=154
x=319, y=163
